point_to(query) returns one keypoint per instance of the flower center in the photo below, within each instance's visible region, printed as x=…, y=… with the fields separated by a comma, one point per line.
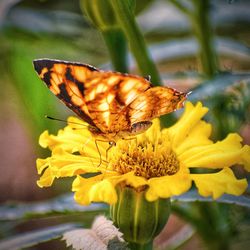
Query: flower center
x=147, y=160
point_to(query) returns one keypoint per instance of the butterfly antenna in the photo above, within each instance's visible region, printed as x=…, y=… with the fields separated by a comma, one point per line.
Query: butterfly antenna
x=60, y=120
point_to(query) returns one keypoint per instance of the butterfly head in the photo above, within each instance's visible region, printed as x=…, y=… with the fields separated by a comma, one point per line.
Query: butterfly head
x=100, y=135
x=181, y=97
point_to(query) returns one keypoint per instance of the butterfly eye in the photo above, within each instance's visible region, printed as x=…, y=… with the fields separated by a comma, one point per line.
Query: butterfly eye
x=148, y=78
x=140, y=127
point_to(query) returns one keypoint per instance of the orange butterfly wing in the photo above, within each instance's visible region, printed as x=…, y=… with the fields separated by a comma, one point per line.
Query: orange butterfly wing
x=109, y=101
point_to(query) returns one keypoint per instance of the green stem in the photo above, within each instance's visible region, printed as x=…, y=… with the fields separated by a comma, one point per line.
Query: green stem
x=127, y=22
x=209, y=221
x=136, y=246
x=203, y=31
x=219, y=235
x=186, y=214
x=117, y=46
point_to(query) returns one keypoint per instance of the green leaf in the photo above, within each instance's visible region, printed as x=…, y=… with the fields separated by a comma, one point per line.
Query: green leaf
x=209, y=89
x=46, y=21
x=193, y=196
x=35, y=237
x=226, y=96
x=61, y=205
x=176, y=49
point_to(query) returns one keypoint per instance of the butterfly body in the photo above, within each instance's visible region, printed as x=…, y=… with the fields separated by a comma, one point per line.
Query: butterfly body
x=115, y=105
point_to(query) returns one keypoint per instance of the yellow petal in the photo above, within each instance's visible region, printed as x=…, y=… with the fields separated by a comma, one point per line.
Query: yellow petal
x=42, y=164
x=74, y=138
x=130, y=179
x=68, y=164
x=101, y=188
x=153, y=133
x=246, y=157
x=217, y=184
x=64, y=164
x=198, y=136
x=46, y=180
x=65, y=139
x=78, y=125
x=167, y=186
x=44, y=139
x=221, y=154
x=94, y=189
x=185, y=124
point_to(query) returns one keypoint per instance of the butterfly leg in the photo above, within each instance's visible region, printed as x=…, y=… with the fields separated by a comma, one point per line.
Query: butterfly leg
x=98, y=152
x=111, y=144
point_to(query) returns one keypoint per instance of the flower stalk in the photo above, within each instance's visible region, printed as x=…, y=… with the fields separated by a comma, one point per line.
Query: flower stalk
x=127, y=22
x=210, y=221
x=203, y=31
x=100, y=14
x=116, y=42
x=201, y=25
x=115, y=19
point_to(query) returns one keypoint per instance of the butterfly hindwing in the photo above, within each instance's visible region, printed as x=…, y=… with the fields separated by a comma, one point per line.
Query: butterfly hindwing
x=155, y=102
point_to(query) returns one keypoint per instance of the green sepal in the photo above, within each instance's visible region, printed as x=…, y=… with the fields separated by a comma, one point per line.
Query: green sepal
x=138, y=219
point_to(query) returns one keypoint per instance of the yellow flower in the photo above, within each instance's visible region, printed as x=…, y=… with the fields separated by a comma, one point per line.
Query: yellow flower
x=157, y=161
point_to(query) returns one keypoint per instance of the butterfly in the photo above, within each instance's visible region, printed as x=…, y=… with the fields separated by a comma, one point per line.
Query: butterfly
x=115, y=105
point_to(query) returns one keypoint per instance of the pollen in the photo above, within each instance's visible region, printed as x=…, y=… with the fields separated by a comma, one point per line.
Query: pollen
x=146, y=159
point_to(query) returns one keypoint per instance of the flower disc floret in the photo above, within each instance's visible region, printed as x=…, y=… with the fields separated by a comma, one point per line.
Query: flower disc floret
x=146, y=159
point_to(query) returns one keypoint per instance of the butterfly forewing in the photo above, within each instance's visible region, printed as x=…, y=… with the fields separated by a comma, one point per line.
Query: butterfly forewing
x=95, y=96
x=67, y=81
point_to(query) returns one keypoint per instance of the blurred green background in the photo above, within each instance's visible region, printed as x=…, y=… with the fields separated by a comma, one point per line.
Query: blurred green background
x=58, y=29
